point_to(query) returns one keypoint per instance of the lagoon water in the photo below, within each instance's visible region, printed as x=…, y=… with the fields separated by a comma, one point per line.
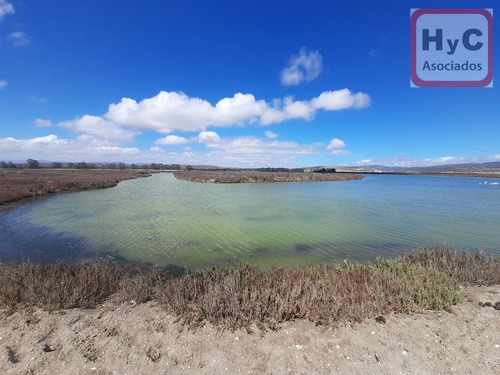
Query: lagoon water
x=163, y=221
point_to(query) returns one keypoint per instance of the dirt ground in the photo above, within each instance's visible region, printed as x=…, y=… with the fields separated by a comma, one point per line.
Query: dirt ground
x=142, y=339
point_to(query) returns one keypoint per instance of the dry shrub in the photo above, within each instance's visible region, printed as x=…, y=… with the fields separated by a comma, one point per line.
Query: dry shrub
x=417, y=287
x=140, y=287
x=16, y=185
x=58, y=286
x=467, y=267
x=238, y=296
x=230, y=177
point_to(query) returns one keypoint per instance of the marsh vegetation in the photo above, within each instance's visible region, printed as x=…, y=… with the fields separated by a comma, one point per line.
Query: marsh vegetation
x=17, y=184
x=249, y=176
x=237, y=295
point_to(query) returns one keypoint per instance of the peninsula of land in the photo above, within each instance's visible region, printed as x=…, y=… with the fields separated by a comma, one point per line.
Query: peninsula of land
x=17, y=185
x=249, y=176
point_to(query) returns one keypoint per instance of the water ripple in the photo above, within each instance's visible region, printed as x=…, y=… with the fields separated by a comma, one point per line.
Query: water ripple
x=161, y=220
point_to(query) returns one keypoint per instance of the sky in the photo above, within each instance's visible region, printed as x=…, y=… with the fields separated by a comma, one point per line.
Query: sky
x=231, y=83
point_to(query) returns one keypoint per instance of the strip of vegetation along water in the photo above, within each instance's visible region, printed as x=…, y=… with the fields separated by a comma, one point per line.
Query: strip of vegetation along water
x=16, y=185
x=232, y=176
x=237, y=295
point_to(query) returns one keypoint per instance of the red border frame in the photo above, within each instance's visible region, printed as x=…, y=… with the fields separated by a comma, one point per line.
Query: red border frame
x=413, y=70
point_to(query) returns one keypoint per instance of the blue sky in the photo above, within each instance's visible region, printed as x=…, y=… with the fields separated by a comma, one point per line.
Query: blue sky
x=231, y=83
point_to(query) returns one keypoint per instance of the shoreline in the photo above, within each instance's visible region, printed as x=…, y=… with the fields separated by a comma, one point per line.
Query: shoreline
x=22, y=185
x=230, y=177
x=493, y=175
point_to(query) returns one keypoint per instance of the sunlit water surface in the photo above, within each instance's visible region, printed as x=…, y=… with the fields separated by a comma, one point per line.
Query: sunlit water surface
x=163, y=221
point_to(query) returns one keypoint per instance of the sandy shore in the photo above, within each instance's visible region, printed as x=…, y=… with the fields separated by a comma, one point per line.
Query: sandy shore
x=142, y=339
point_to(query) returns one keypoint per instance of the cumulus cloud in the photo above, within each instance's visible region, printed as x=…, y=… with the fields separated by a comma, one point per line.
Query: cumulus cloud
x=238, y=151
x=209, y=138
x=271, y=135
x=170, y=111
x=246, y=151
x=156, y=149
x=339, y=100
x=172, y=140
x=288, y=109
x=41, y=123
x=3, y=84
x=336, y=144
x=306, y=66
x=18, y=39
x=5, y=8
x=337, y=147
x=51, y=147
x=99, y=127
x=341, y=152
x=251, y=145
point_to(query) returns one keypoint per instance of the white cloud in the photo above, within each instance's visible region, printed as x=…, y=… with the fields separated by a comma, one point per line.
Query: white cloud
x=336, y=144
x=41, y=123
x=209, y=138
x=341, y=152
x=244, y=151
x=339, y=100
x=51, y=147
x=271, y=135
x=156, y=149
x=173, y=140
x=18, y=38
x=239, y=151
x=248, y=151
x=306, y=66
x=98, y=127
x=5, y=8
x=298, y=109
x=288, y=109
x=3, y=84
x=170, y=111
x=251, y=145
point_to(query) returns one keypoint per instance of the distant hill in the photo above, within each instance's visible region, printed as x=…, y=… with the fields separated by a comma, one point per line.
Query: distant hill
x=490, y=169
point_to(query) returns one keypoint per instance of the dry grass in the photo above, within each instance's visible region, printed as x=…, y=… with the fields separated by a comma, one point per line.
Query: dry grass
x=469, y=268
x=240, y=296
x=59, y=286
x=16, y=185
x=231, y=177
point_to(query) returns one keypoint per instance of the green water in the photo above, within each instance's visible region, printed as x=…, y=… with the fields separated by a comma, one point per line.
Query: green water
x=163, y=221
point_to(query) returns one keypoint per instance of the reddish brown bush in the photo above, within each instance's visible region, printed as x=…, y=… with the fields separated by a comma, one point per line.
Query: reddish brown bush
x=16, y=185
x=229, y=177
